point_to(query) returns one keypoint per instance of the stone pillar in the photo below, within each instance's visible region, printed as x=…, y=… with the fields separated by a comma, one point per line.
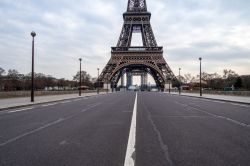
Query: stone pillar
x=106, y=86
x=122, y=80
x=129, y=78
x=167, y=86
x=144, y=79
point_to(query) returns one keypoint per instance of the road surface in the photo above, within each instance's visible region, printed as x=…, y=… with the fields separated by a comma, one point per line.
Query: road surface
x=152, y=129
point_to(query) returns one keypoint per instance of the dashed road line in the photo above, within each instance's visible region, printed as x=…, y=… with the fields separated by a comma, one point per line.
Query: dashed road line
x=65, y=101
x=130, y=153
x=24, y=109
x=241, y=105
x=90, y=106
x=45, y=105
x=222, y=102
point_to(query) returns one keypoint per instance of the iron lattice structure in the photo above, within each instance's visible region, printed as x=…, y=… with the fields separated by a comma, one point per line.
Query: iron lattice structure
x=149, y=57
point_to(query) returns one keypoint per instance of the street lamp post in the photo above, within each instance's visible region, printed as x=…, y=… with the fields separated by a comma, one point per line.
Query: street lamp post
x=80, y=82
x=169, y=87
x=179, y=81
x=200, y=77
x=98, y=84
x=33, y=34
x=107, y=85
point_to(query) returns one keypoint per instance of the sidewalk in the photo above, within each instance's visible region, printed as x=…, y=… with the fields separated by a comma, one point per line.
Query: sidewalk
x=25, y=101
x=237, y=99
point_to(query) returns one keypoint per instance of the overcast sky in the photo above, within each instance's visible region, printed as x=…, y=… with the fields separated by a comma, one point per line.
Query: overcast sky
x=217, y=30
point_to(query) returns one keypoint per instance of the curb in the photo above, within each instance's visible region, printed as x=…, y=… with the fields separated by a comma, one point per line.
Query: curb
x=46, y=102
x=228, y=101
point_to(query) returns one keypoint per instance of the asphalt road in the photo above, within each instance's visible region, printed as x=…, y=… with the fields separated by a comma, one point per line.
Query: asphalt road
x=171, y=130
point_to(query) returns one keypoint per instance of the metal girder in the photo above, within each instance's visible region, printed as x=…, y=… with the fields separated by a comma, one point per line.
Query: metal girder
x=149, y=57
x=137, y=6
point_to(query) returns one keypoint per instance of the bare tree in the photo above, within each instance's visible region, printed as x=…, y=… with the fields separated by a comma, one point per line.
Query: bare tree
x=2, y=71
x=188, y=78
x=85, y=78
x=229, y=73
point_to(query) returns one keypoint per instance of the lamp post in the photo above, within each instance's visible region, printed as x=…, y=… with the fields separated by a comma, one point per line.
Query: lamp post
x=200, y=77
x=33, y=34
x=107, y=85
x=80, y=82
x=179, y=81
x=169, y=87
x=98, y=84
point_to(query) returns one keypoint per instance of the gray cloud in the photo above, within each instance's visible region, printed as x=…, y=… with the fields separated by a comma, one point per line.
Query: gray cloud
x=217, y=30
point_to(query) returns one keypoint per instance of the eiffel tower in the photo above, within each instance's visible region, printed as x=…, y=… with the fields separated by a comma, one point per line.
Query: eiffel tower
x=144, y=60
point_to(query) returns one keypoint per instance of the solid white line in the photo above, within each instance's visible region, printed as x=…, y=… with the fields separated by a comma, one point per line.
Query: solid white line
x=130, y=153
x=24, y=109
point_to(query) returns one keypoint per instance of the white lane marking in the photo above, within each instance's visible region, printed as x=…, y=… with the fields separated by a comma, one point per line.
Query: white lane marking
x=65, y=102
x=130, y=153
x=62, y=143
x=31, y=132
x=24, y=109
x=45, y=105
x=216, y=116
x=219, y=101
x=177, y=102
x=184, y=116
x=90, y=106
x=45, y=126
x=242, y=105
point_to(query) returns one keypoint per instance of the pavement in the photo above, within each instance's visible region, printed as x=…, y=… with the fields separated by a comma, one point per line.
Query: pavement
x=238, y=99
x=127, y=128
x=25, y=101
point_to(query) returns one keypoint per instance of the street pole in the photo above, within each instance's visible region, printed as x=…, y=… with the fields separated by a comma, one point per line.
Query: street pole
x=179, y=81
x=200, y=77
x=80, y=82
x=98, y=84
x=33, y=34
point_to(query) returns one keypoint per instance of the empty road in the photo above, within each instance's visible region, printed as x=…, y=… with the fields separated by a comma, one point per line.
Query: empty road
x=127, y=128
